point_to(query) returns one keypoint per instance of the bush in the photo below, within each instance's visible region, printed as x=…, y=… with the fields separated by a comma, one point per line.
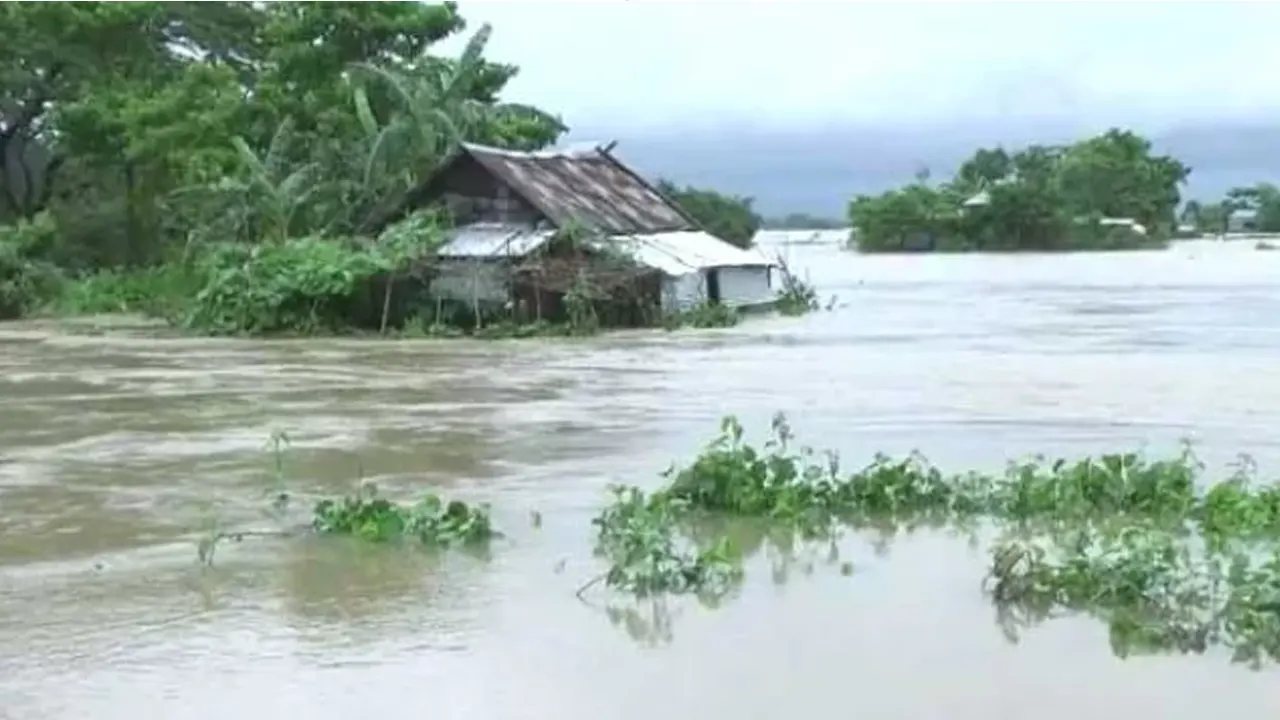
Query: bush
x=302, y=285
x=27, y=281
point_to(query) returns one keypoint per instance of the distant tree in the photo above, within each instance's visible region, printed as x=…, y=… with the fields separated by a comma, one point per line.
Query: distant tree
x=1210, y=217
x=1038, y=198
x=1116, y=175
x=1262, y=199
x=729, y=217
x=803, y=221
x=985, y=168
x=1191, y=213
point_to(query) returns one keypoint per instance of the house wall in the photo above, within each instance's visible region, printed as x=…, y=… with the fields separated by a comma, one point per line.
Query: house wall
x=472, y=194
x=464, y=281
x=744, y=286
x=739, y=286
x=682, y=292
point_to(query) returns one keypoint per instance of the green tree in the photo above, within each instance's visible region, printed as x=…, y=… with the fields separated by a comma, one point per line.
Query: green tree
x=139, y=133
x=1212, y=217
x=1191, y=213
x=1038, y=198
x=730, y=218
x=916, y=217
x=1116, y=175
x=1262, y=199
x=985, y=168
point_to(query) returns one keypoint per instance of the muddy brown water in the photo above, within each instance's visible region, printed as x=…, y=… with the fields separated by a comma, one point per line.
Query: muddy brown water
x=117, y=450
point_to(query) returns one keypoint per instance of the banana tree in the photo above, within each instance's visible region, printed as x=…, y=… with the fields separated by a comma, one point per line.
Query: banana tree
x=434, y=107
x=433, y=104
x=267, y=201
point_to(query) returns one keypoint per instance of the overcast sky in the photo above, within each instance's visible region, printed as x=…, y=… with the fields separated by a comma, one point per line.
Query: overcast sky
x=645, y=63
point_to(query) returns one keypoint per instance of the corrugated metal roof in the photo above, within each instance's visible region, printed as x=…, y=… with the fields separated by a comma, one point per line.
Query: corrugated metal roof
x=590, y=187
x=683, y=252
x=491, y=240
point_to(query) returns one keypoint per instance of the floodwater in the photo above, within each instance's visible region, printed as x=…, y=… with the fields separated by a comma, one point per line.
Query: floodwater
x=117, y=452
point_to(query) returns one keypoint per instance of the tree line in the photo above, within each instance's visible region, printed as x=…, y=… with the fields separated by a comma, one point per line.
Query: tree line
x=1256, y=209
x=226, y=164
x=1110, y=191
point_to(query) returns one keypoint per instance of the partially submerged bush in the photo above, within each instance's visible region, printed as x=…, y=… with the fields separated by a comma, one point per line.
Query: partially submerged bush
x=1169, y=561
x=366, y=515
x=27, y=279
x=162, y=291
x=647, y=557
x=703, y=316
x=1158, y=591
x=796, y=296
x=430, y=521
x=303, y=285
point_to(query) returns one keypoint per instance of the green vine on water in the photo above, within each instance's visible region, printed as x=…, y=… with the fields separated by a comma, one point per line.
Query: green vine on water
x=1170, y=562
x=363, y=514
x=430, y=521
x=797, y=296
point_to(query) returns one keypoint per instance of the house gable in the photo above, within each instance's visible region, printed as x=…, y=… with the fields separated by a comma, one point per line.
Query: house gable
x=471, y=193
x=591, y=189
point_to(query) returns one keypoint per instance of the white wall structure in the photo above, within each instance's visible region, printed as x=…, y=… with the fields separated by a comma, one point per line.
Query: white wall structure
x=475, y=265
x=695, y=263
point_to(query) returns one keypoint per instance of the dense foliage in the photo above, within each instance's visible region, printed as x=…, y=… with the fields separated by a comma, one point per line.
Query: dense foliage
x=1169, y=561
x=1243, y=209
x=1038, y=198
x=245, y=148
x=248, y=168
x=729, y=218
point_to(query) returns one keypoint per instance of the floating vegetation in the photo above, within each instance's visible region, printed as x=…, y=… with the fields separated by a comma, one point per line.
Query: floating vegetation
x=364, y=514
x=703, y=316
x=1158, y=591
x=796, y=296
x=430, y=521
x=1170, y=562
x=637, y=534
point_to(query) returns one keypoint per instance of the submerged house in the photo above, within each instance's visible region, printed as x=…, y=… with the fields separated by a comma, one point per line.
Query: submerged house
x=512, y=211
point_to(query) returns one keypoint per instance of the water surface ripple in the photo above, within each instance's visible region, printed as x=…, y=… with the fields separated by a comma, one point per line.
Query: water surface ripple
x=116, y=452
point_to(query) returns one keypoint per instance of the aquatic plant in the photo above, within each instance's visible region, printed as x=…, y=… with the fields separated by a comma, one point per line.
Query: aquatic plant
x=797, y=296
x=1170, y=561
x=430, y=521
x=364, y=514
x=638, y=535
x=1158, y=591
x=703, y=316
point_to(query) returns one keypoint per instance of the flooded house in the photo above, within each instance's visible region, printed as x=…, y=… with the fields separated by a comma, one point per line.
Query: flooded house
x=530, y=228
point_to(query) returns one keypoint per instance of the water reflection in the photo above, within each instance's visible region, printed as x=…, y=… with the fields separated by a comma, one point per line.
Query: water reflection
x=343, y=592
x=786, y=555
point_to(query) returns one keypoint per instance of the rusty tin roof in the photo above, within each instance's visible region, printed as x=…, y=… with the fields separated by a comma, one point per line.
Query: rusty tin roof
x=590, y=187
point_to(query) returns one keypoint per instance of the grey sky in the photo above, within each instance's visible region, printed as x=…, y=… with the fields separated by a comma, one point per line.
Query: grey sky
x=644, y=63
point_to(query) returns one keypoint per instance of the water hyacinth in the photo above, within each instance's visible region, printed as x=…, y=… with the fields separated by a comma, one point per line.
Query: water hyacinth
x=1170, y=562
x=430, y=521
